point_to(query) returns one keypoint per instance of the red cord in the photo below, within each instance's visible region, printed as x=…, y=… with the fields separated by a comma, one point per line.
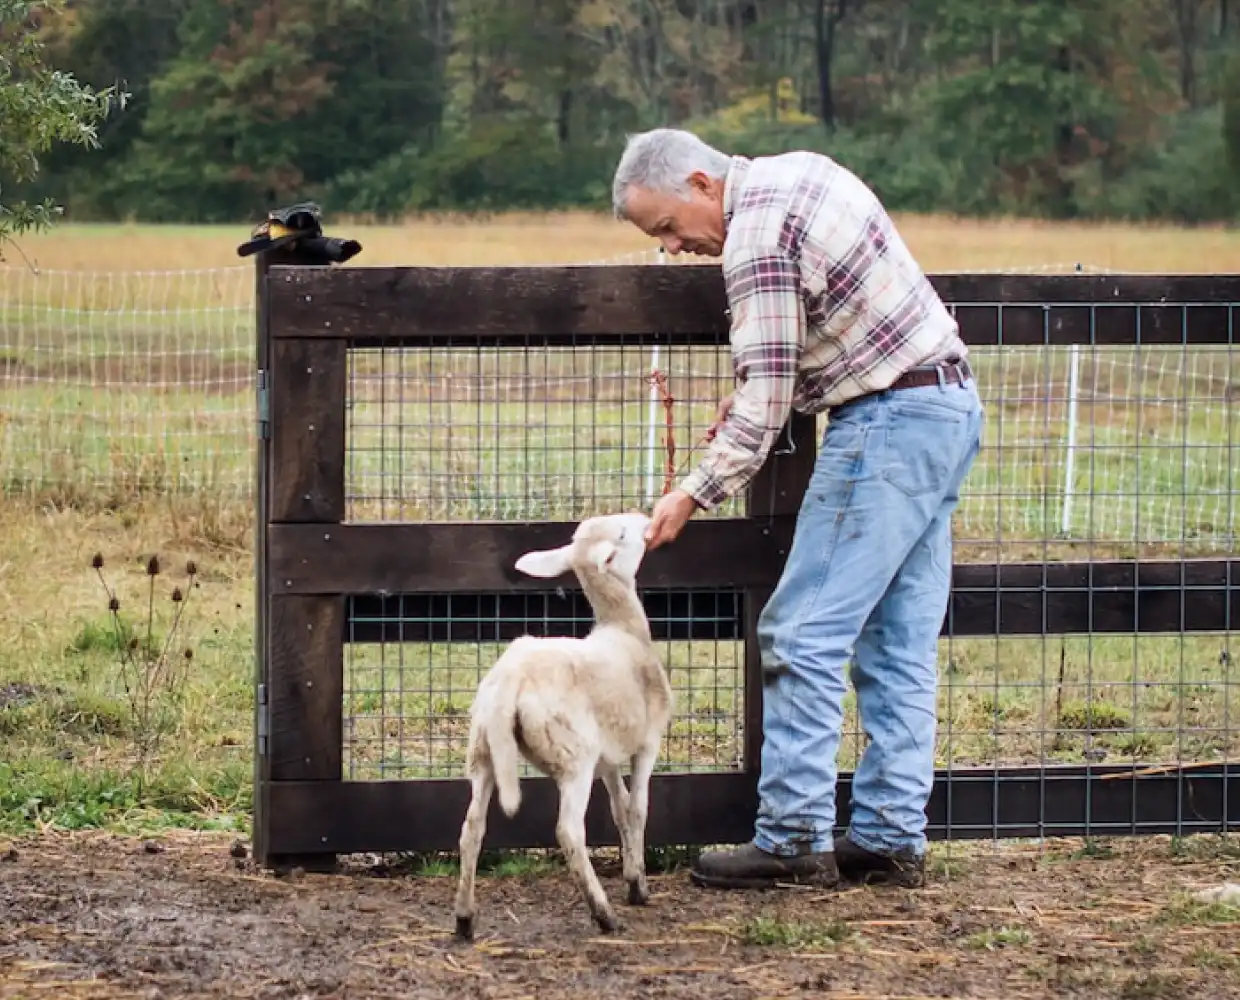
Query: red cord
x=659, y=378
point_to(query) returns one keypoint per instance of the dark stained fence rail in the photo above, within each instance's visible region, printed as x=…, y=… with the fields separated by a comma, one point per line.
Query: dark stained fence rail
x=325, y=584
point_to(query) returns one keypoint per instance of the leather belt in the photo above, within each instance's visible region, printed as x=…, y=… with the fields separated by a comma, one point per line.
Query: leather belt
x=954, y=371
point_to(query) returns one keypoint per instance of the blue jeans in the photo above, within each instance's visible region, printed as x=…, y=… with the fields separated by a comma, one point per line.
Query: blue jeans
x=867, y=579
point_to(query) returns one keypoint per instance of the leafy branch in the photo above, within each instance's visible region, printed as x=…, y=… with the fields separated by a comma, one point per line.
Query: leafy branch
x=39, y=106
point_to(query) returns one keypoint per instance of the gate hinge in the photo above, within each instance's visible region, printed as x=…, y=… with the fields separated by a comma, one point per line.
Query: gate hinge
x=264, y=406
x=262, y=720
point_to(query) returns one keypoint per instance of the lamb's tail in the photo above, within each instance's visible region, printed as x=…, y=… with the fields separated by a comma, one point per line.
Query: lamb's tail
x=501, y=730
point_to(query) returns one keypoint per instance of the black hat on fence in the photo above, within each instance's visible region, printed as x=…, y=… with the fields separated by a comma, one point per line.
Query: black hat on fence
x=298, y=224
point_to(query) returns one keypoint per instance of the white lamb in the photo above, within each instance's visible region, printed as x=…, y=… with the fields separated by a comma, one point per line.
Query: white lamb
x=576, y=709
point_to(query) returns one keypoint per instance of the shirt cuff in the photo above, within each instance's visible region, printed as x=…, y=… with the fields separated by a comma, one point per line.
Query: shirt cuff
x=707, y=491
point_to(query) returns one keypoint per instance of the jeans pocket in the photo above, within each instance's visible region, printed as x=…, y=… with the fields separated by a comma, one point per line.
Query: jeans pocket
x=843, y=459
x=923, y=445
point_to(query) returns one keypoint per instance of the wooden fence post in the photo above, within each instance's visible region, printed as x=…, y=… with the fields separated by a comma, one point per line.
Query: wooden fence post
x=300, y=387
x=774, y=496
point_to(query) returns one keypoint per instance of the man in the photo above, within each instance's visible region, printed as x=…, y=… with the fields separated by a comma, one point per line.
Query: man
x=829, y=311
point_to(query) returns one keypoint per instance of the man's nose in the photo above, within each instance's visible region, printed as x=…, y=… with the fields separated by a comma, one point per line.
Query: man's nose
x=672, y=244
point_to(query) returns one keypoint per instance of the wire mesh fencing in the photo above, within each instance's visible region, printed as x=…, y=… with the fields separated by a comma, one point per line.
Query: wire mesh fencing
x=1107, y=446
x=1090, y=453
x=551, y=433
x=1085, y=446
x=122, y=381
x=407, y=701
x=517, y=434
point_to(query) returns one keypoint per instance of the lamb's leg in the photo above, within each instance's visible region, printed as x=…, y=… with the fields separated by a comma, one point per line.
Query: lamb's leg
x=570, y=831
x=482, y=782
x=642, y=766
x=620, y=812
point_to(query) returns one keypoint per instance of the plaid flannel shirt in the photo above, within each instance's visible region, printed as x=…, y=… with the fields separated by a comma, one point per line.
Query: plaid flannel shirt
x=827, y=304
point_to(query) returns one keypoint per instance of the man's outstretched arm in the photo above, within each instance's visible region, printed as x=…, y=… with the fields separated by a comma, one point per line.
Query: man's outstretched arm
x=768, y=337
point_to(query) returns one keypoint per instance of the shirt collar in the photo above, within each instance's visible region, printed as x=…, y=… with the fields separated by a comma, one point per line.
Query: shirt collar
x=732, y=185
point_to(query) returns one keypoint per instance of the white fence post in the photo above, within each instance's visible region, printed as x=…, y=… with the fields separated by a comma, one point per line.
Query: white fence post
x=652, y=416
x=1069, y=460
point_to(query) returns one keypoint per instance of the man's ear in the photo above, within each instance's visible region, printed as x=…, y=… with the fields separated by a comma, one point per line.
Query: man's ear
x=546, y=564
x=700, y=182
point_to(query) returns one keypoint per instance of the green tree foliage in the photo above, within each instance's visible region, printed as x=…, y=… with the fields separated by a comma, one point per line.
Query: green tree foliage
x=1231, y=115
x=39, y=106
x=1087, y=109
x=1029, y=85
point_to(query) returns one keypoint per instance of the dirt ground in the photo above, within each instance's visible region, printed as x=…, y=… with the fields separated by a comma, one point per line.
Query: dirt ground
x=101, y=916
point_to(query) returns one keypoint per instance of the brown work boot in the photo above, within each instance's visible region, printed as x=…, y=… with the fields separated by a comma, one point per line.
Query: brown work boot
x=750, y=867
x=856, y=864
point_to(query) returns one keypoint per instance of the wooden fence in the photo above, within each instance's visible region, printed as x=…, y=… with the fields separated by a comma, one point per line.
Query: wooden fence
x=321, y=577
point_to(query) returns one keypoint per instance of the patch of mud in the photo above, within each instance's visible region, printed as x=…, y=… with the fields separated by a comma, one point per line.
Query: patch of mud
x=17, y=694
x=96, y=916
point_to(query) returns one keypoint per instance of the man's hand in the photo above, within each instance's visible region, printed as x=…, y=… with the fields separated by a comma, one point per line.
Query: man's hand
x=668, y=517
x=721, y=414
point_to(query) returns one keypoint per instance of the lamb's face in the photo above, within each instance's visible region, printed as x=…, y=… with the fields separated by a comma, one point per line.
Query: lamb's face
x=612, y=543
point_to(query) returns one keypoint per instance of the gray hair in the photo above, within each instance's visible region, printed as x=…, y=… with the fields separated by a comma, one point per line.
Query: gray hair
x=661, y=160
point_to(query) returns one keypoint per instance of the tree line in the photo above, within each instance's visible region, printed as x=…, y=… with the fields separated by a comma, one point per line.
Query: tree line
x=1054, y=108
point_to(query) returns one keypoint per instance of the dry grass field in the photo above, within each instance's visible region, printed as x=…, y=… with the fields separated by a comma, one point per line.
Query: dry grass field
x=106, y=445
x=941, y=243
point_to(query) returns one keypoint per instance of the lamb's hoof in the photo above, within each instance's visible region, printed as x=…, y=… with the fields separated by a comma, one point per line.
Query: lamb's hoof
x=465, y=928
x=639, y=895
x=607, y=922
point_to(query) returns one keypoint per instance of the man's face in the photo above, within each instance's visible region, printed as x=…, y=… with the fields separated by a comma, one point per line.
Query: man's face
x=693, y=224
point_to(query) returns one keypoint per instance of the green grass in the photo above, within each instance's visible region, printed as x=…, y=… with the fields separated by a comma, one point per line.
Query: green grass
x=71, y=733
x=994, y=938
x=795, y=935
x=197, y=794
x=1153, y=986
x=1204, y=957
x=1185, y=910
x=97, y=445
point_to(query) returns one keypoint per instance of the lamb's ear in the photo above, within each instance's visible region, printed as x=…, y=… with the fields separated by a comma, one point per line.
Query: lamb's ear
x=601, y=553
x=547, y=563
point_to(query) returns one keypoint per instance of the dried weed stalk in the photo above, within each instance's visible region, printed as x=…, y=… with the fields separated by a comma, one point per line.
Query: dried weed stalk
x=153, y=677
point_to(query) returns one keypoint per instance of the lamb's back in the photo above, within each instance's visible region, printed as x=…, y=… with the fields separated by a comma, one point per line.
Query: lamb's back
x=575, y=694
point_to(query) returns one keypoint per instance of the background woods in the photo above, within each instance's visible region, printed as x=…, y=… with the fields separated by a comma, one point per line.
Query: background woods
x=1099, y=108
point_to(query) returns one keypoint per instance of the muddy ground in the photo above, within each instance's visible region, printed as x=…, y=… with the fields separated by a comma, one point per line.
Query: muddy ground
x=100, y=916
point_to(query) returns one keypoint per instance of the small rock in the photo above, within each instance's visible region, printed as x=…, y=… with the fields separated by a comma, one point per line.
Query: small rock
x=367, y=906
x=8, y=852
x=238, y=850
x=153, y=848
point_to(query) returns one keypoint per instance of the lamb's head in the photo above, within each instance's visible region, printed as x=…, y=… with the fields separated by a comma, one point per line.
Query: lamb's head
x=614, y=544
